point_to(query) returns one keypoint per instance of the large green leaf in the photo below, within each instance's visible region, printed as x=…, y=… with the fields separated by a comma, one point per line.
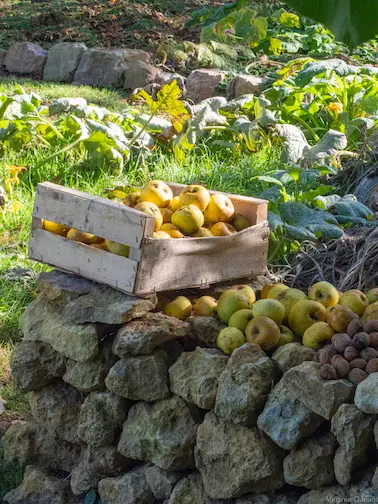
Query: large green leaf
x=351, y=21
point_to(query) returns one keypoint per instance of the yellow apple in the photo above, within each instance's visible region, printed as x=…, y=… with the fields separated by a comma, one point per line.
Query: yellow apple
x=157, y=192
x=289, y=297
x=202, y=233
x=316, y=335
x=247, y=290
x=229, y=339
x=188, y=219
x=304, y=314
x=206, y=306
x=161, y=235
x=371, y=308
x=265, y=290
x=369, y=316
x=269, y=308
x=54, y=227
x=222, y=229
x=240, y=222
x=151, y=209
x=172, y=230
x=132, y=199
x=175, y=204
x=219, y=209
x=81, y=236
x=273, y=292
x=180, y=308
x=324, y=293
x=195, y=195
x=230, y=302
x=101, y=246
x=240, y=319
x=286, y=336
x=355, y=300
x=372, y=295
x=263, y=331
x=166, y=214
x=117, y=248
x=338, y=317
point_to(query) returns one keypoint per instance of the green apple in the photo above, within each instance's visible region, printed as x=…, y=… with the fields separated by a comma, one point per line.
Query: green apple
x=269, y=308
x=240, y=319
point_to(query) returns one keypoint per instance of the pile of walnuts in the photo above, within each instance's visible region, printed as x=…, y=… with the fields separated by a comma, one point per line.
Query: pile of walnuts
x=352, y=355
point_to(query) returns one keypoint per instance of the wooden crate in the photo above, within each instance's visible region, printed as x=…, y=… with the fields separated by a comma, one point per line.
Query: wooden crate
x=153, y=265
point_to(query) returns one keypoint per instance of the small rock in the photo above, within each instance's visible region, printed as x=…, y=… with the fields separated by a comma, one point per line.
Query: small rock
x=25, y=58
x=336, y=493
x=140, y=378
x=246, y=84
x=130, y=488
x=3, y=53
x=321, y=396
x=244, y=385
x=100, y=67
x=206, y=329
x=270, y=498
x=89, y=376
x=134, y=55
x=101, y=418
x=28, y=444
x=195, y=376
x=144, y=335
x=234, y=460
x=311, y=465
x=189, y=491
x=375, y=480
x=202, y=83
x=39, y=488
x=362, y=487
x=62, y=61
x=163, y=433
x=161, y=481
x=42, y=322
x=354, y=433
x=140, y=74
x=168, y=77
x=285, y=419
x=35, y=364
x=366, y=397
x=55, y=285
x=291, y=355
x=57, y=408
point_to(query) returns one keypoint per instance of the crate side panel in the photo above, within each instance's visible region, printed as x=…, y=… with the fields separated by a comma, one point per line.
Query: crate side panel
x=184, y=263
x=104, y=218
x=80, y=259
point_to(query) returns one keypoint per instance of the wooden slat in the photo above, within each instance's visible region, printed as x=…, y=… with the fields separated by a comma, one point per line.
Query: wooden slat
x=102, y=217
x=80, y=259
x=254, y=209
x=191, y=262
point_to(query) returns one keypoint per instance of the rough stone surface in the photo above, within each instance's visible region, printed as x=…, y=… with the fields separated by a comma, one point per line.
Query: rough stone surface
x=202, y=83
x=41, y=322
x=366, y=397
x=246, y=84
x=321, y=396
x=101, y=418
x=57, y=408
x=189, y=491
x=206, y=329
x=234, y=460
x=130, y=488
x=35, y=364
x=140, y=74
x=291, y=355
x=195, y=376
x=334, y=493
x=62, y=287
x=62, y=61
x=108, y=306
x=285, y=419
x=89, y=376
x=270, y=498
x=39, y=488
x=97, y=463
x=161, y=481
x=28, y=444
x=163, y=433
x=100, y=67
x=375, y=479
x=141, y=378
x=244, y=385
x=354, y=433
x=25, y=58
x=143, y=336
x=311, y=465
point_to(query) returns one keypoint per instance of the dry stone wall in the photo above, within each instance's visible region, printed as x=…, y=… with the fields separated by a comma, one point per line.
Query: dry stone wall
x=124, y=68
x=144, y=409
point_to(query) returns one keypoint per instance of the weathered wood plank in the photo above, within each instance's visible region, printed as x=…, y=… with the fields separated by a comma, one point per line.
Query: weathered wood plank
x=195, y=262
x=80, y=259
x=102, y=217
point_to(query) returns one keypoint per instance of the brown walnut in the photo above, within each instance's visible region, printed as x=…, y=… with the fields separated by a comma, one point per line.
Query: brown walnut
x=354, y=327
x=340, y=341
x=360, y=340
x=328, y=372
x=369, y=353
x=356, y=376
x=358, y=363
